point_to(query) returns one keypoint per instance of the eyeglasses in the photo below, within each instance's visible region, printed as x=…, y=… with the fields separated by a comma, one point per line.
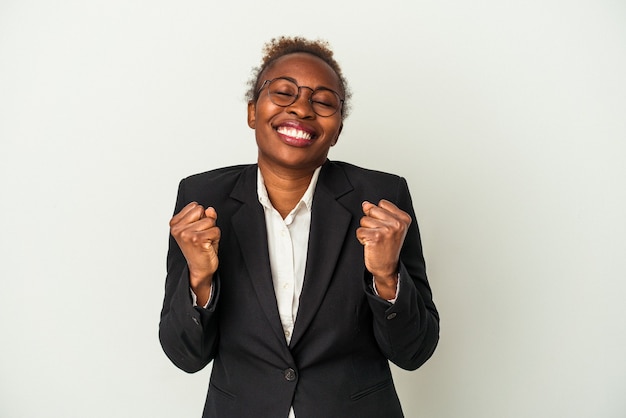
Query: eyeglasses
x=284, y=92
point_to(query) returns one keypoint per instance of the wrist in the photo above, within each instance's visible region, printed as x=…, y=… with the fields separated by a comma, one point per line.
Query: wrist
x=199, y=285
x=386, y=281
x=202, y=292
x=386, y=286
x=199, y=279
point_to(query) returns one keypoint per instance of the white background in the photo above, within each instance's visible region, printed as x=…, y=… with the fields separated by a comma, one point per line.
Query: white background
x=508, y=119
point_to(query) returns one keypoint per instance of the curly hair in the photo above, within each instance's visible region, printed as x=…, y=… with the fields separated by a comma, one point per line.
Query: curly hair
x=279, y=47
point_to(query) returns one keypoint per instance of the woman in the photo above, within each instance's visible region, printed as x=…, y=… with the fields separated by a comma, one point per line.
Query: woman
x=298, y=276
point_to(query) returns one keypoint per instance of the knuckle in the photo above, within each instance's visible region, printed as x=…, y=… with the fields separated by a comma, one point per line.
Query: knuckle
x=197, y=211
x=176, y=230
x=186, y=235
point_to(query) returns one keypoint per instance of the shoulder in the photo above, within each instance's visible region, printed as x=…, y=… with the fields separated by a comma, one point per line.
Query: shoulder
x=215, y=186
x=353, y=184
x=221, y=177
x=359, y=175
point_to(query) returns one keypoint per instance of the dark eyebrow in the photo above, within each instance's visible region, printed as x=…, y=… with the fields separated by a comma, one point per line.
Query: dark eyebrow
x=293, y=80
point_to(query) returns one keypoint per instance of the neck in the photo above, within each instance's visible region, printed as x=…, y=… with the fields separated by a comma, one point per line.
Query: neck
x=285, y=189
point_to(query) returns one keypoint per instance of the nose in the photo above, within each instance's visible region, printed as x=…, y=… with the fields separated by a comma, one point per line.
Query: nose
x=302, y=107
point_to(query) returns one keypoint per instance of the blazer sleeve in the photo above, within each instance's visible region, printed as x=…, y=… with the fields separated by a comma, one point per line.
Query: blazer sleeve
x=407, y=331
x=188, y=334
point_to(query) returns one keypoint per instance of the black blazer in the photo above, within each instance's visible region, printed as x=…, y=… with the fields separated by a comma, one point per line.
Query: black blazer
x=337, y=362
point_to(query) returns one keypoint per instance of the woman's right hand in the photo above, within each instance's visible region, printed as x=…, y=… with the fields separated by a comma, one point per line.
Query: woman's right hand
x=197, y=234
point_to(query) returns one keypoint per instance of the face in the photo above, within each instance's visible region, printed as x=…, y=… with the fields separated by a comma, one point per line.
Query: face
x=295, y=137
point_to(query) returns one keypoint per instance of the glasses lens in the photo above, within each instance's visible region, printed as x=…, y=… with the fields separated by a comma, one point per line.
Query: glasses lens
x=325, y=102
x=283, y=92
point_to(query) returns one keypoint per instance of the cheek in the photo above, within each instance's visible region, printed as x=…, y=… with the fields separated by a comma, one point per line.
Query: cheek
x=261, y=114
x=334, y=129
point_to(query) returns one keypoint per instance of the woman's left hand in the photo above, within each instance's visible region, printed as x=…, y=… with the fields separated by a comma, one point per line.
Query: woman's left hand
x=382, y=233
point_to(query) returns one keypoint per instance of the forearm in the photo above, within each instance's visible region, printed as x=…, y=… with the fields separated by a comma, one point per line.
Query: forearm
x=187, y=334
x=406, y=331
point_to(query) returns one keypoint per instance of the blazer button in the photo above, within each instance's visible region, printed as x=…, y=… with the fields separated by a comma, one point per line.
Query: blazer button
x=391, y=315
x=290, y=374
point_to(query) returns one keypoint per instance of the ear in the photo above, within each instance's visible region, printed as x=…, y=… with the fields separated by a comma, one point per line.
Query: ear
x=251, y=114
x=332, y=144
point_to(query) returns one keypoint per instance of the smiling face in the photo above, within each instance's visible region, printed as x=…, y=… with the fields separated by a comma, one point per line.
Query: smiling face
x=294, y=137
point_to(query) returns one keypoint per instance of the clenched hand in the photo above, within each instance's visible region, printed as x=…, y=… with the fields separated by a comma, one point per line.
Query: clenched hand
x=195, y=230
x=382, y=233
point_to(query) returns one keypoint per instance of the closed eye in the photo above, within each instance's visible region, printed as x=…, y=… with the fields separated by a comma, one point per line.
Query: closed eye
x=317, y=102
x=283, y=93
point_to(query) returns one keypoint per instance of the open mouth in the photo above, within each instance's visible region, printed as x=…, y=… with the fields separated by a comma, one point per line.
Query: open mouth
x=296, y=133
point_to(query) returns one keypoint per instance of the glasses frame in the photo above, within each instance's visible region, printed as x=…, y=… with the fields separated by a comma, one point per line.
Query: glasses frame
x=297, y=96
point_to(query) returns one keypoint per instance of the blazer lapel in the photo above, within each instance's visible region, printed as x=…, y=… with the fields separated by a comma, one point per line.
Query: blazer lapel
x=249, y=226
x=329, y=225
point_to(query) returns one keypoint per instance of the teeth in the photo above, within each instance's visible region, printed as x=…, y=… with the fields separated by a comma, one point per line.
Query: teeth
x=293, y=132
